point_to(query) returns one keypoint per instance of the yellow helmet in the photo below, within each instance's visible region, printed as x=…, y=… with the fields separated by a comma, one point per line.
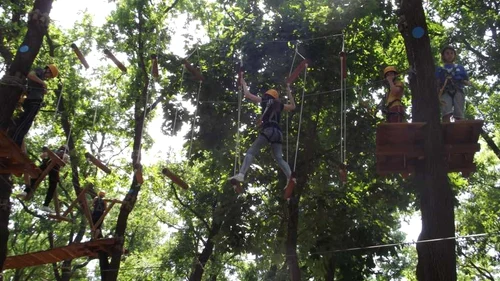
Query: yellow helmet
x=390, y=69
x=102, y=193
x=273, y=93
x=53, y=69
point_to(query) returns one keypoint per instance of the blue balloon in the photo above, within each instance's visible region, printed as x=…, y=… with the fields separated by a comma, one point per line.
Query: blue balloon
x=418, y=32
x=24, y=49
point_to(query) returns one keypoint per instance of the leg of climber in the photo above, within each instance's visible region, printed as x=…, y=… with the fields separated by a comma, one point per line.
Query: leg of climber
x=459, y=105
x=252, y=152
x=446, y=107
x=24, y=122
x=53, y=180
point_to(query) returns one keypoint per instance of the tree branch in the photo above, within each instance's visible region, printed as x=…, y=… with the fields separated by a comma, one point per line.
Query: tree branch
x=189, y=208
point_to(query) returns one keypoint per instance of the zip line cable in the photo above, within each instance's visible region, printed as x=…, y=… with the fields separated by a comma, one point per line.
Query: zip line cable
x=352, y=249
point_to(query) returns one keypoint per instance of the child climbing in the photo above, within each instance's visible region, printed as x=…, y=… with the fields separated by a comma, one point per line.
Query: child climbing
x=451, y=80
x=99, y=206
x=53, y=176
x=37, y=88
x=270, y=132
x=394, y=109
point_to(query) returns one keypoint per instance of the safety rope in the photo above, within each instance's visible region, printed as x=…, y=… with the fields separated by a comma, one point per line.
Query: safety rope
x=240, y=92
x=287, y=118
x=300, y=119
x=194, y=119
x=343, y=106
x=193, y=124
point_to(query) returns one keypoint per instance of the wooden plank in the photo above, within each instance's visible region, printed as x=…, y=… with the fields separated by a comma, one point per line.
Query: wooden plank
x=399, y=133
x=401, y=149
x=13, y=156
x=72, y=251
x=462, y=148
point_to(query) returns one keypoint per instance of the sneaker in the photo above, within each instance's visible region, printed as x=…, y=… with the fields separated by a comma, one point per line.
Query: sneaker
x=46, y=209
x=238, y=177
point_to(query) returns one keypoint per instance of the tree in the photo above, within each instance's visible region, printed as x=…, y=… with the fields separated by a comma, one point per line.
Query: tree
x=10, y=91
x=436, y=261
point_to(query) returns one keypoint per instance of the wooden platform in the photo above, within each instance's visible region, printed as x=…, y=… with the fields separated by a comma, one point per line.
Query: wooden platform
x=72, y=251
x=400, y=145
x=13, y=160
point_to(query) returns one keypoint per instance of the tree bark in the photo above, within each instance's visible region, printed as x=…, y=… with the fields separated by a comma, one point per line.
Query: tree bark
x=436, y=260
x=9, y=95
x=330, y=269
x=291, y=239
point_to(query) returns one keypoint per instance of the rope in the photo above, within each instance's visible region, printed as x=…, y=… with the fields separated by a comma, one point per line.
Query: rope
x=194, y=120
x=300, y=119
x=343, y=119
x=407, y=243
x=15, y=81
x=237, y=155
x=287, y=122
x=58, y=102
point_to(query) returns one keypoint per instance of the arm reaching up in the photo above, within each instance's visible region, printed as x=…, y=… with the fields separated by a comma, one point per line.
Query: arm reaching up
x=247, y=93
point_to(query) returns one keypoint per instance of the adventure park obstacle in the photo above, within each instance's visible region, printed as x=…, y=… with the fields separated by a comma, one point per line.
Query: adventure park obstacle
x=97, y=163
x=72, y=251
x=401, y=145
x=175, y=178
x=193, y=70
x=80, y=55
x=13, y=160
x=115, y=60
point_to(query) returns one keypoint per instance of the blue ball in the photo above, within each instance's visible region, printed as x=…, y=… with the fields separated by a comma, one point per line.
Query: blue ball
x=24, y=49
x=418, y=32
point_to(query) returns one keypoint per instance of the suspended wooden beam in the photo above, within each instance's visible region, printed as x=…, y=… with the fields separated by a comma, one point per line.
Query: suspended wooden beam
x=97, y=163
x=154, y=66
x=193, y=70
x=303, y=65
x=13, y=160
x=79, y=55
x=176, y=179
x=115, y=60
x=72, y=251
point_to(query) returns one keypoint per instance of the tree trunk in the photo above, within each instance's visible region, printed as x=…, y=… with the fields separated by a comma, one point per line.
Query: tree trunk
x=201, y=261
x=9, y=95
x=436, y=260
x=330, y=269
x=291, y=239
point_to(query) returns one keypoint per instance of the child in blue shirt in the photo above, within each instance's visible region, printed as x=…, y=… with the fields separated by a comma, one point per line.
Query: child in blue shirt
x=451, y=81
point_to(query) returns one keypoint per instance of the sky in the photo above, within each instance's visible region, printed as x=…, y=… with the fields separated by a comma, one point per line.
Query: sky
x=64, y=14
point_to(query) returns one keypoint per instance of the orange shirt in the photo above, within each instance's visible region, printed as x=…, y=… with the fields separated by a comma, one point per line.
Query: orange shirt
x=395, y=96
